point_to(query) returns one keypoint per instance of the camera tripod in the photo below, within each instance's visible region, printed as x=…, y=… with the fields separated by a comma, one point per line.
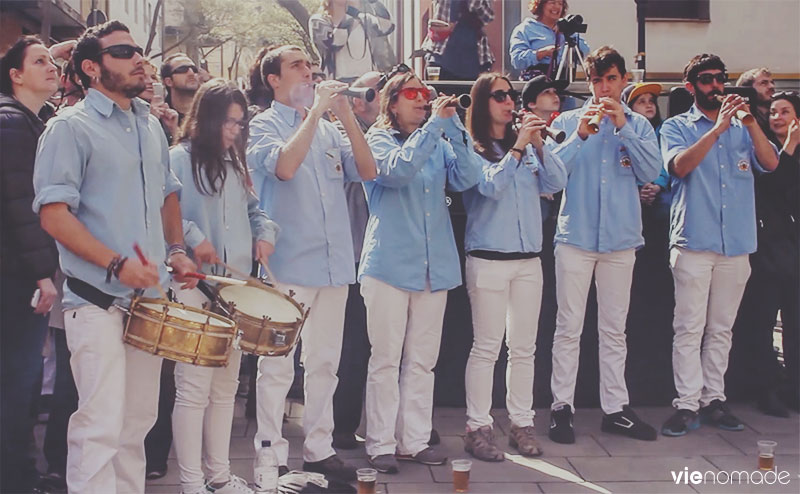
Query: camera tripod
x=571, y=53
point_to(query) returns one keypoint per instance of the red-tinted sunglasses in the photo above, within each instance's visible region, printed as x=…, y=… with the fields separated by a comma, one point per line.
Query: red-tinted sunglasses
x=412, y=93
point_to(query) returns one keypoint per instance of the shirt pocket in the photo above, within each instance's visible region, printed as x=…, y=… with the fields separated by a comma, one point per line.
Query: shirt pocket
x=334, y=169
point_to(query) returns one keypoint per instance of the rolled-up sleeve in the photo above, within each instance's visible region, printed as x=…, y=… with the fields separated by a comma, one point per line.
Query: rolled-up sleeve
x=672, y=142
x=263, y=228
x=264, y=147
x=59, y=167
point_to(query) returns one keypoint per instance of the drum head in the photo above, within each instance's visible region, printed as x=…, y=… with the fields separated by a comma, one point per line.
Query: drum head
x=188, y=314
x=259, y=303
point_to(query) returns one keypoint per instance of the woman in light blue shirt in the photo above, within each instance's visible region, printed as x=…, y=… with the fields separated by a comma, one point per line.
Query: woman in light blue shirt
x=222, y=223
x=408, y=263
x=504, y=273
x=535, y=40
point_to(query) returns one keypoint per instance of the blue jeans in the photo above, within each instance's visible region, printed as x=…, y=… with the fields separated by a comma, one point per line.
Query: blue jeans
x=22, y=335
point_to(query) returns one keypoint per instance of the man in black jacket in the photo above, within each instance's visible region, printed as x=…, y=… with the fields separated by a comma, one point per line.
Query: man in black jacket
x=28, y=259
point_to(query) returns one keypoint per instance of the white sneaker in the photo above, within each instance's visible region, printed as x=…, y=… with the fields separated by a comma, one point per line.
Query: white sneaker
x=235, y=485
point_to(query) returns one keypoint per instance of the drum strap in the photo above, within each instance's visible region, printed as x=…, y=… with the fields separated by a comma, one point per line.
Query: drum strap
x=90, y=293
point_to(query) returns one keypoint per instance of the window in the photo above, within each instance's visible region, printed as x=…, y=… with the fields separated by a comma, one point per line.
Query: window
x=694, y=10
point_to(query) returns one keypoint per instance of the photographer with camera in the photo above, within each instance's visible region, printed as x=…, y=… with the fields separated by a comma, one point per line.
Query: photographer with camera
x=536, y=43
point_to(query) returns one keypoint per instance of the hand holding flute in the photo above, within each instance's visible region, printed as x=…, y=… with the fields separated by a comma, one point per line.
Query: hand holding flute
x=555, y=134
x=590, y=123
x=530, y=131
x=737, y=105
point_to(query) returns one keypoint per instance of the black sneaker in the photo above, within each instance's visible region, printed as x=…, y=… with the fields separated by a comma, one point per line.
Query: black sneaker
x=561, y=425
x=332, y=466
x=435, y=439
x=770, y=404
x=627, y=423
x=345, y=440
x=681, y=422
x=717, y=413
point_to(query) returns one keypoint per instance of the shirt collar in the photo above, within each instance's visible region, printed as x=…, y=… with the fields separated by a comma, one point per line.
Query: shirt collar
x=695, y=114
x=105, y=105
x=288, y=113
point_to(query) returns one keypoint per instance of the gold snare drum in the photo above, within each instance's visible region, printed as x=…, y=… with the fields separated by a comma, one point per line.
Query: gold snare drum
x=269, y=321
x=179, y=332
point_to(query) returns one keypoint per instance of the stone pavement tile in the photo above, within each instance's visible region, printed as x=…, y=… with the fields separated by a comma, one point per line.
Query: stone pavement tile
x=474, y=488
x=449, y=425
x=292, y=427
x=503, y=472
x=645, y=469
x=585, y=445
x=242, y=448
x=765, y=424
x=586, y=420
x=617, y=487
x=788, y=443
x=239, y=428
x=688, y=445
x=171, y=478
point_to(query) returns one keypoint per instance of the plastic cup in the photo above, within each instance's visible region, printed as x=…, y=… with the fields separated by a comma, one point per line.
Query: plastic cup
x=433, y=72
x=461, y=470
x=637, y=75
x=367, y=479
x=766, y=455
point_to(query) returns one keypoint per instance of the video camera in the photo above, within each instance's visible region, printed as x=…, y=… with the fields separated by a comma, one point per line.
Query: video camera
x=571, y=24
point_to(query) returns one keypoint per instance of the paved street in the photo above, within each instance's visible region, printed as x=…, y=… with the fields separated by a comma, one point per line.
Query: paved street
x=598, y=462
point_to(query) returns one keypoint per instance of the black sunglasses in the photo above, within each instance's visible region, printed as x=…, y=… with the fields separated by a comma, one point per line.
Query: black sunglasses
x=720, y=77
x=500, y=95
x=184, y=69
x=397, y=69
x=122, y=51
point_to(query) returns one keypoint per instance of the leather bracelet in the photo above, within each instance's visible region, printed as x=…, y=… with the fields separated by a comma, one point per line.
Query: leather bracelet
x=175, y=249
x=118, y=267
x=520, y=151
x=112, y=265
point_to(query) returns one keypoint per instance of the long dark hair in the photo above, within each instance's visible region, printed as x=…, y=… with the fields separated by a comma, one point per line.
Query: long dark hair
x=389, y=94
x=203, y=129
x=14, y=59
x=479, y=121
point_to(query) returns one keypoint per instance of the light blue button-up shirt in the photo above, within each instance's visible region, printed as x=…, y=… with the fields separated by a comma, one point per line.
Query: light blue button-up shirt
x=113, y=173
x=529, y=36
x=409, y=238
x=503, y=210
x=315, y=247
x=230, y=219
x=600, y=210
x=713, y=207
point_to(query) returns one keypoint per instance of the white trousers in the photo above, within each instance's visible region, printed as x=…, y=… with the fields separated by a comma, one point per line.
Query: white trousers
x=117, y=404
x=505, y=297
x=203, y=413
x=708, y=290
x=405, y=331
x=322, y=347
x=613, y=273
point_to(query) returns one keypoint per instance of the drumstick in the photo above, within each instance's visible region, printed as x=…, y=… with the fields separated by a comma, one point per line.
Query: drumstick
x=244, y=275
x=145, y=262
x=218, y=279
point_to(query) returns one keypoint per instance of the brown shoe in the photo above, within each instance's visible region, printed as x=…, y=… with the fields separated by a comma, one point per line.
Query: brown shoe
x=524, y=440
x=480, y=444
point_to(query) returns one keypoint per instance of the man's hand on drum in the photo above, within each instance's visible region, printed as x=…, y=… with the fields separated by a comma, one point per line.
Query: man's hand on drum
x=181, y=264
x=264, y=249
x=137, y=275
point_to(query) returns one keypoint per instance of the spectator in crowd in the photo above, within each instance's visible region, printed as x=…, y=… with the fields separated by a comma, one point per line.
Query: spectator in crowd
x=761, y=80
x=158, y=106
x=348, y=400
x=503, y=270
x=180, y=76
x=773, y=285
x=295, y=153
x=343, y=33
x=28, y=78
x=70, y=91
x=456, y=40
x=710, y=156
x=535, y=45
x=408, y=264
x=257, y=93
x=599, y=230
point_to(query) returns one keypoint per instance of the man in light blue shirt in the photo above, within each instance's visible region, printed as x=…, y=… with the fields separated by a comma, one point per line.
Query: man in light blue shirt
x=103, y=183
x=711, y=156
x=300, y=162
x=599, y=230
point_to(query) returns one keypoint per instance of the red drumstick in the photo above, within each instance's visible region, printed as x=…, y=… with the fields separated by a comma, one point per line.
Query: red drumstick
x=139, y=253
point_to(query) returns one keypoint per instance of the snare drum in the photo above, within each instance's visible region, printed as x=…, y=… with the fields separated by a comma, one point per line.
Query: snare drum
x=269, y=321
x=179, y=332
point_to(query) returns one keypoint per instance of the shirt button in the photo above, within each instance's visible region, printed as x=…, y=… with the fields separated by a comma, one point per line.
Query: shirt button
x=604, y=180
x=604, y=161
x=427, y=214
x=425, y=262
x=723, y=186
x=724, y=206
x=322, y=194
x=128, y=129
x=427, y=190
x=722, y=166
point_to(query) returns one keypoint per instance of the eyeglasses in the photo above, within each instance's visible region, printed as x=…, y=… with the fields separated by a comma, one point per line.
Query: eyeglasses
x=397, y=69
x=184, y=69
x=122, y=51
x=232, y=122
x=413, y=92
x=500, y=95
x=706, y=78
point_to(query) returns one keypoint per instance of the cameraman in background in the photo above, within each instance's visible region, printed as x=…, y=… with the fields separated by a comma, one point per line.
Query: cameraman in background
x=536, y=43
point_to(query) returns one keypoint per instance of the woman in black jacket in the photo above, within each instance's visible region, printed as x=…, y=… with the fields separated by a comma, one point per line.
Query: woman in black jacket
x=28, y=256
